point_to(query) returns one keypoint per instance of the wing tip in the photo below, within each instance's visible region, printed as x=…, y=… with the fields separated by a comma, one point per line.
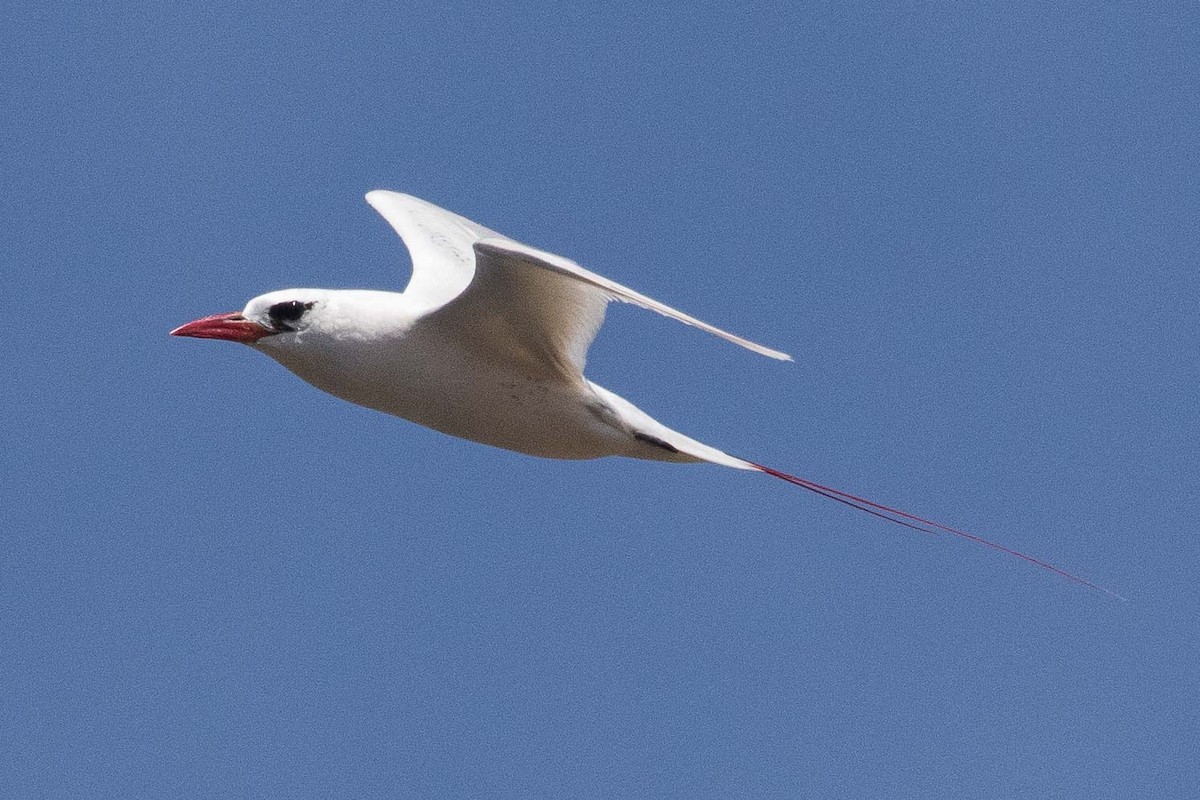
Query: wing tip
x=755, y=347
x=377, y=196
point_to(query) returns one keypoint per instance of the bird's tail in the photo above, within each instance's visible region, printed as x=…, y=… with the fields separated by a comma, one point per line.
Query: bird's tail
x=912, y=521
x=703, y=452
x=656, y=441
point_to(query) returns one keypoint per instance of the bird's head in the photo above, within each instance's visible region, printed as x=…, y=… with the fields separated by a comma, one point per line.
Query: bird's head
x=338, y=340
x=276, y=319
x=298, y=325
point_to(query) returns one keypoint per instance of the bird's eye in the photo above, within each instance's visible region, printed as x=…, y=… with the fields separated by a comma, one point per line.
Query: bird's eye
x=290, y=311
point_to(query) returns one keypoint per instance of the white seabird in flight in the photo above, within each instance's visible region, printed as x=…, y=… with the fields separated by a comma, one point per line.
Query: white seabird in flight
x=488, y=343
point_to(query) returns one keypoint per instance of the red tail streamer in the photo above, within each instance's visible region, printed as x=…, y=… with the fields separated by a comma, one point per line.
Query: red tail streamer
x=907, y=520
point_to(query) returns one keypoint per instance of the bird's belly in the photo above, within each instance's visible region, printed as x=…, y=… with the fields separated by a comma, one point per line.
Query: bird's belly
x=548, y=418
x=537, y=418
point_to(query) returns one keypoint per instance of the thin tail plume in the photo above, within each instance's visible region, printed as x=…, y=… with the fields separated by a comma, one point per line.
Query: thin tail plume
x=920, y=523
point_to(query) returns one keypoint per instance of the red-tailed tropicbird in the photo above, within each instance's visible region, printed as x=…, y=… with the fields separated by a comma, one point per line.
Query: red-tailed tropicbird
x=488, y=343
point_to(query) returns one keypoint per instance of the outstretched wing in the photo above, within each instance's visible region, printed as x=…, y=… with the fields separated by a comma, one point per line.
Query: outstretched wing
x=542, y=310
x=517, y=304
x=504, y=249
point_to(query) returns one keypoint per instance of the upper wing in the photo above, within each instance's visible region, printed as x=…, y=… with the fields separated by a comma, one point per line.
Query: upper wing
x=514, y=302
x=439, y=243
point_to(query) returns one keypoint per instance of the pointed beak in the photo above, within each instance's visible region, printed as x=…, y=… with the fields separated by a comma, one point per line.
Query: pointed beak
x=230, y=327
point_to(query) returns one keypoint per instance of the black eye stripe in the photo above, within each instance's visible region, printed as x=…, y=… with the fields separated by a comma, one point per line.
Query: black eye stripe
x=289, y=311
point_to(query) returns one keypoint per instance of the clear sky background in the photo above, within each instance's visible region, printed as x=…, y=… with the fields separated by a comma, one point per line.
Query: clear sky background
x=975, y=229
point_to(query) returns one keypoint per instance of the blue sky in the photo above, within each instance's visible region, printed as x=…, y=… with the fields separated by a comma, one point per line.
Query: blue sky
x=975, y=229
